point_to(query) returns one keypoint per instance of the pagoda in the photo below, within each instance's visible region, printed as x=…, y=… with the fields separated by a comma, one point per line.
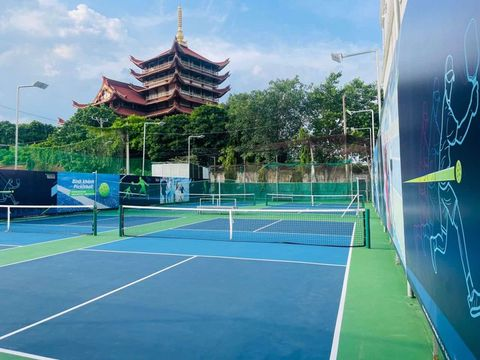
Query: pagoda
x=174, y=82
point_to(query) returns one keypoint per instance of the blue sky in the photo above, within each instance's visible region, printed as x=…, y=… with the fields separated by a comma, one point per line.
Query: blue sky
x=70, y=44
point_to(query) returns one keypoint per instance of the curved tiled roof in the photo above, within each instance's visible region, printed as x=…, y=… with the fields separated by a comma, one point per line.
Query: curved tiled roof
x=176, y=47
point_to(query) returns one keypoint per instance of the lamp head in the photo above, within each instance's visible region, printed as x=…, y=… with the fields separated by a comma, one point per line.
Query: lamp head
x=40, y=85
x=337, y=57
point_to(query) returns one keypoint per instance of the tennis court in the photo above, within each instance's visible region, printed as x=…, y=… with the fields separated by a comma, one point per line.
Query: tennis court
x=171, y=289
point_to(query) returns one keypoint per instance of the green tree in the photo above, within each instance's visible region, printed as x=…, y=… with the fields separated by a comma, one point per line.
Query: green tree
x=261, y=121
x=326, y=114
x=168, y=142
x=210, y=121
x=78, y=146
x=94, y=115
x=7, y=133
x=34, y=132
x=228, y=160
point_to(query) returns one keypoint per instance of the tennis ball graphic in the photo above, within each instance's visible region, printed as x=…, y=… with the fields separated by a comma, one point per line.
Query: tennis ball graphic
x=104, y=190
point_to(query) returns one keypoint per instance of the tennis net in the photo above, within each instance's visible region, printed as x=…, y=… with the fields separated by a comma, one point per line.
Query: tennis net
x=239, y=199
x=63, y=219
x=332, y=227
x=321, y=201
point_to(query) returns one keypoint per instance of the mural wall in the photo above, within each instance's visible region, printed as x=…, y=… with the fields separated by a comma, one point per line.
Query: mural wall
x=389, y=165
x=438, y=102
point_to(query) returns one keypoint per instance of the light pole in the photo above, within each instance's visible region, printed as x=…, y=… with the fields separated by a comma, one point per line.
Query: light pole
x=100, y=121
x=372, y=142
x=37, y=84
x=338, y=57
x=161, y=123
x=188, y=154
x=372, y=113
x=370, y=137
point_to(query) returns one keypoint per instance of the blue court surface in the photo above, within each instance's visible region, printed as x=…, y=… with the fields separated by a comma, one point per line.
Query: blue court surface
x=175, y=299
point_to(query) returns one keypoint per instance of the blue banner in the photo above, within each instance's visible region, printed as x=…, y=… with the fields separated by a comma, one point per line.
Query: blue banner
x=80, y=189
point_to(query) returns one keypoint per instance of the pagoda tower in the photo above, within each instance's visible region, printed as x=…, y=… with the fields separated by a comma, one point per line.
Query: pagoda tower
x=174, y=82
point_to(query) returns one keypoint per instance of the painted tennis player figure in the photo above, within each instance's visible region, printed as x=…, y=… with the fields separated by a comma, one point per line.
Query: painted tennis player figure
x=454, y=128
x=8, y=192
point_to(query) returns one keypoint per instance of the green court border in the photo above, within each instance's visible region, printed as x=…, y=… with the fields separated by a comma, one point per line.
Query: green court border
x=380, y=321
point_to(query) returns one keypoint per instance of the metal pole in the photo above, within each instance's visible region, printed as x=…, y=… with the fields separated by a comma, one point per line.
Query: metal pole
x=276, y=171
x=312, y=175
x=127, y=154
x=161, y=123
x=379, y=97
x=188, y=155
x=344, y=112
x=372, y=145
x=143, y=153
x=244, y=179
x=16, y=127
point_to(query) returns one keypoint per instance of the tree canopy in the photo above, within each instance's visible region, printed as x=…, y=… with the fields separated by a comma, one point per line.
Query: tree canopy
x=286, y=122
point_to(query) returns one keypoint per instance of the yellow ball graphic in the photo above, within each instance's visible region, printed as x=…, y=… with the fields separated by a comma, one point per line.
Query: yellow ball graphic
x=104, y=190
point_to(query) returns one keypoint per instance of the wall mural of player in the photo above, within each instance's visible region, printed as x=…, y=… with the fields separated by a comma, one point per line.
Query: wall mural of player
x=7, y=191
x=439, y=123
x=453, y=125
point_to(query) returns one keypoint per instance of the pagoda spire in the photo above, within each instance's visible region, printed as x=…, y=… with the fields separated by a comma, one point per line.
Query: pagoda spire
x=179, y=37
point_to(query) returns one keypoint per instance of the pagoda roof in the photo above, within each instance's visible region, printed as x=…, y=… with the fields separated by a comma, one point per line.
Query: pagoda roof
x=172, y=64
x=177, y=93
x=140, y=76
x=176, y=108
x=177, y=77
x=125, y=91
x=179, y=48
x=114, y=89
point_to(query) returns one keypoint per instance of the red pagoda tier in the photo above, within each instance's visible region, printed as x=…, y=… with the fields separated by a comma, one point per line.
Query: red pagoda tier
x=174, y=82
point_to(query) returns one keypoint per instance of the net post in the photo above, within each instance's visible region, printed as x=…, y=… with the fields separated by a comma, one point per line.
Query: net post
x=121, y=221
x=8, y=219
x=367, y=229
x=94, y=223
x=230, y=223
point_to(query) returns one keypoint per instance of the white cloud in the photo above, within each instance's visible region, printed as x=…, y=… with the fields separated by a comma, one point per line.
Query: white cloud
x=71, y=47
x=88, y=21
x=257, y=69
x=254, y=66
x=51, y=19
x=64, y=51
x=50, y=70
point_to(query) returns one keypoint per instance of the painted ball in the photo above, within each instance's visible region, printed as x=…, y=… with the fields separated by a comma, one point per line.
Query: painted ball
x=104, y=190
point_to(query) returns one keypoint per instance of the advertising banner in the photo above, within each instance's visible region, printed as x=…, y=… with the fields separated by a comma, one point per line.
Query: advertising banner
x=79, y=189
x=153, y=190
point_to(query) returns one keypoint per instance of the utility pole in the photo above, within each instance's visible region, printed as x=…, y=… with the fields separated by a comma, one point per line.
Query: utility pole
x=100, y=121
x=127, y=153
x=344, y=112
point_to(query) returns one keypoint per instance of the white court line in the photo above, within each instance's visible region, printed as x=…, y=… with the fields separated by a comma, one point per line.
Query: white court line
x=8, y=247
x=94, y=299
x=216, y=257
x=266, y=226
x=341, y=307
x=24, y=355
